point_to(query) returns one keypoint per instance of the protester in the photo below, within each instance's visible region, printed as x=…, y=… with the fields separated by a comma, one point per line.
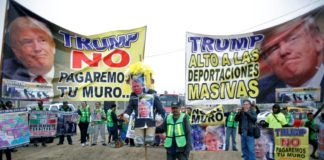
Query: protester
x=40, y=107
x=231, y=125
x=6, y=151
x=276, y=119
x=313, y=130
x=99, y=125
x=112, y=124
x=178, y=135
x=246, y=118
x=34, y=48
x=294, y=52
x=65, y=108
x=84, y=113
x=289, y=117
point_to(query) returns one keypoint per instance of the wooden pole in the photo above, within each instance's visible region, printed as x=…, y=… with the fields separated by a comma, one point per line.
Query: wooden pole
x=145, y=144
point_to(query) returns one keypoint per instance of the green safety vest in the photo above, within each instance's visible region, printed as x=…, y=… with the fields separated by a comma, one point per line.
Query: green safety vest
x=175, y=129
x=288, y=117
x=230, y=120
x=85, y=116
x=110, y=122
x=312, y=134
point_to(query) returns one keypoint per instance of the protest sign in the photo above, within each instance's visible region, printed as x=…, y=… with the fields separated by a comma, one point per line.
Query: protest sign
x=42, y=124
x=66, y=124
x=14, y=129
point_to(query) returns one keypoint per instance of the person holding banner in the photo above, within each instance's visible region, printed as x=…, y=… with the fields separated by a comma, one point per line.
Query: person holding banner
x=84, y=113
x=112, y=124
x=231, y=125
x=6, y=151
x=313, y=130
x=98, y=119
x=247, y=118
x=40, y=107
x=139, y=76
x=65, y=108
x=294, y=52
x=289, y=117
x=34, y=48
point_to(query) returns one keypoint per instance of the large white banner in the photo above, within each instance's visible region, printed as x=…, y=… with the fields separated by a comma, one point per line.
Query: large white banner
x=221, y=69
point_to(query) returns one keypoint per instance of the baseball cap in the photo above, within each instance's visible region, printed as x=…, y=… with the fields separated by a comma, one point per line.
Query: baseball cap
x=175, y=105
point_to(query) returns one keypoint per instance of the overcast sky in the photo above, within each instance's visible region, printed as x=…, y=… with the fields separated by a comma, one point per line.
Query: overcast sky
x=167, y=22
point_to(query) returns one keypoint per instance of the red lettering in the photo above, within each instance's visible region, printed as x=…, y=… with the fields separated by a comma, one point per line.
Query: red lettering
x=122, y=63
x=286, y=142
x=78, y=57
x=295, y=142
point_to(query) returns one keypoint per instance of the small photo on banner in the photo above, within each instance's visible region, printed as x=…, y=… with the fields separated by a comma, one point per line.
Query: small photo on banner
x=13, y=89
x=298, y=95
x=145, y=106
x=67, y=123
x=264, y=145
x=209, y=138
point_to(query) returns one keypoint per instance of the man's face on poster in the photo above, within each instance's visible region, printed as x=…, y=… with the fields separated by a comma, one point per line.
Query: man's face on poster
x=211, y=142
x=143, y=110
x=137, y=87
x=294, y=54
x=260, y=148
x=35, y=49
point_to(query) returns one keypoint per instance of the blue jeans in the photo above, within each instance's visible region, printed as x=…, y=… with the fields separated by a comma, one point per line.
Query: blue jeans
x=230, y=132
x=247, y=144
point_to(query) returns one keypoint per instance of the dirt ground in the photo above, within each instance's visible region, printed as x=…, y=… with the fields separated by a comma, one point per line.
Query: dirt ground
x=99, y=152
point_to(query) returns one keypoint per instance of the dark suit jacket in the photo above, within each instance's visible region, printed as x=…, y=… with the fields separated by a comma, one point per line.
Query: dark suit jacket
x=133, y=106
x=14, y=70
x=267, y=88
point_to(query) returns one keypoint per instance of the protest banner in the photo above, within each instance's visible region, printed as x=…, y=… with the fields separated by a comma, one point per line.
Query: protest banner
x=321, y=139
x=75, y=67
x=264, y=145
x=42, y=124
x=131, y=124
x=222, y=68
x=210, y=138
x=14, y=129
x=207, y=128
x=291, y=144
x=207, y=115
x=66, y=124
